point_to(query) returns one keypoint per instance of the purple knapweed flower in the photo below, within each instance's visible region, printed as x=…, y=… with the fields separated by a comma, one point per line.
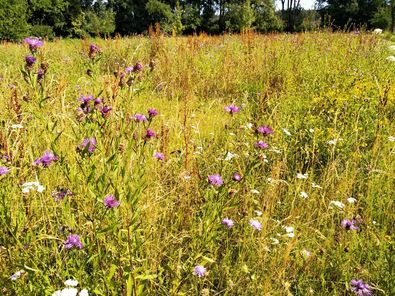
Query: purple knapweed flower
x=88, y=144
x=255, y=224
x=261, y=145
x=264, y=130
x=30, y=60
x=138, y=67
x=110, y=202
x=85, y=99
x=232, y=109
x=105, y=111
x=4, y=170
x=152, y=112
x=349, y=224
x=139, y=117
x=40, y=74
x=236, y=177
x=150, y=134
x=97, y=101
x=215, y=180
x=93, y=50
x=360, y=288
x=47, y=158
x=199, y=271
x=129, y=69
x=227, y=222
x=61, y=194
x=73, y=241
x=33, y=43
x=159, y=156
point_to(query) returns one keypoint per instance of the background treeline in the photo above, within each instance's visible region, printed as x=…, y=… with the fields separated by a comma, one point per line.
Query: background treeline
x=79, y=18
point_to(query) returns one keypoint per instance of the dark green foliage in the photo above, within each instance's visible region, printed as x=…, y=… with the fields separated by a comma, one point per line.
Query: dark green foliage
x=13, y=19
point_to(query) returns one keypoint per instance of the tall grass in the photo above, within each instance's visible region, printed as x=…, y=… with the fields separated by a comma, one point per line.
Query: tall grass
x=329, y=99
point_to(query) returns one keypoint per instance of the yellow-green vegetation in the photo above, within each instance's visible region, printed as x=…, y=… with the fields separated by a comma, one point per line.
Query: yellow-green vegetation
x=311, y=212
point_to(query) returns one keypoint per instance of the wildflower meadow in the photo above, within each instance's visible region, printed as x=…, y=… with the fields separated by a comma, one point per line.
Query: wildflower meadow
x=228, y=165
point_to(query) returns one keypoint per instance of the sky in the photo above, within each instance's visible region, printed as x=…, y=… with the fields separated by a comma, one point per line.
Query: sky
x=306, y=4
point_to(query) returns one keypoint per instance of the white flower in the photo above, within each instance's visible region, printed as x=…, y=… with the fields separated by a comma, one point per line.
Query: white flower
x=334, y=141
x=16, y=126
x=289, y=229
x=71, y=283
x=311, y=130
x=304, y=194
x=57, y=293
x=390, y=58
x=26, y=187
x=287, y=132
x=305, y=253
x=249, y=125
x=69, y=292
x=351, y=200
x=258, y=213
x=232, y=134
x=254, y=191
x=230, y=155
x=337, y=203
x=84, y=292
x=391, y=47
x=315, y=186
x=274, y=241
x=17, y=275
x=391, y=139
x=377, y=31
x=301, y=176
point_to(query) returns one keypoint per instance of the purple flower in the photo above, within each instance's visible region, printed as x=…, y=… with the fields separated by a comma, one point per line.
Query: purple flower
x=4, y=170
x=61, y=194
x=236, y=177
x=110, y=202
x=73, y=240
x=215, y=180
x=232, y=109
x=256, y=224
x=139, y=117
x=159, y=156
x=105, y=111
x=349, y=224
x=40, y=74
x=97, y=101
x=199, y=271
x=88, y=144
x=150, y=134
x=129, y=69
x=47, y=158
x=138, y=67
x=85, y=99
x=227, y=222
x=360, y=288
x=264, y=130
x=152, y=112
x=30, y=60
x=33, y=43
x=261, y=145
x=93, y=50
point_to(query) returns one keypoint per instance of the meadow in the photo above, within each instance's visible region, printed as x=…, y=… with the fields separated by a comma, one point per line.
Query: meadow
x=230, y=165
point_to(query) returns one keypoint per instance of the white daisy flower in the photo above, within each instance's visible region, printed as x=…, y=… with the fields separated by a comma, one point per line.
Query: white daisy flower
x=304, y=194
x=337, y=204
x=301, y=176
x=351, y=200
x=287, y=132
x=71, y=283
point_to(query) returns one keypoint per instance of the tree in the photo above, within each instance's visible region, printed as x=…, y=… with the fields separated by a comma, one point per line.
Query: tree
x=13, y=19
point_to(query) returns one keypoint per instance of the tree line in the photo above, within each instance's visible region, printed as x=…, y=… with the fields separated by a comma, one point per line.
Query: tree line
x=81, y=18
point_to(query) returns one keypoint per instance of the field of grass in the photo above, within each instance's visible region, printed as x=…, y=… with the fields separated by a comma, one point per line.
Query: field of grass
x=312, y=207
